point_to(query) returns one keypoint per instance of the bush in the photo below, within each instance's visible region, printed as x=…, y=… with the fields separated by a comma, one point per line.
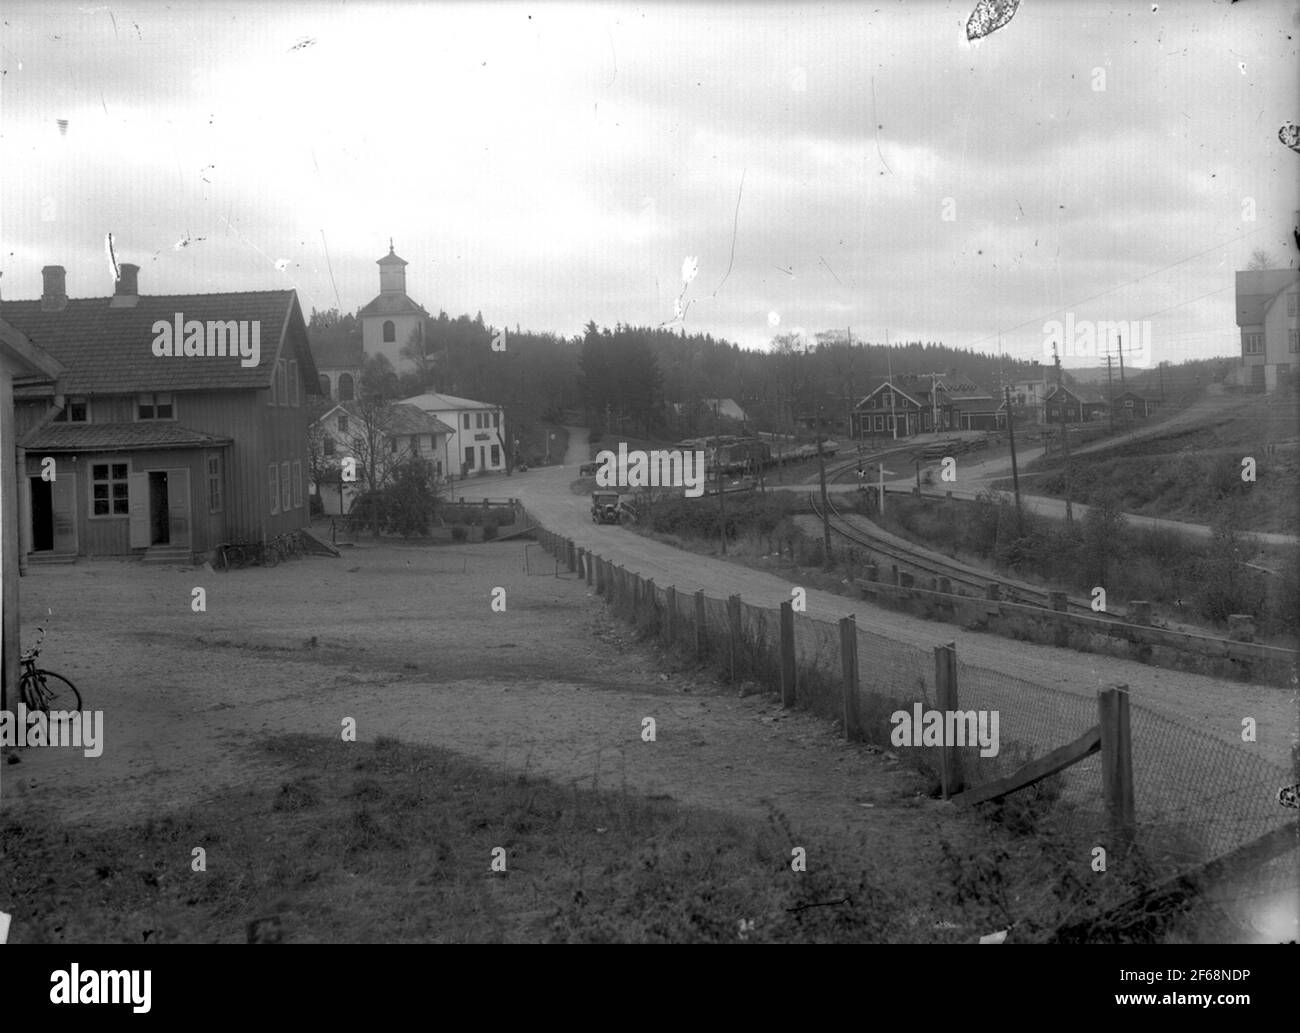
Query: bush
x=489, y=531
x=459, y=533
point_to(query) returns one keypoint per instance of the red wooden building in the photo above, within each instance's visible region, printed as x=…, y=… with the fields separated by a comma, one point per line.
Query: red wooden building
x=133, y=452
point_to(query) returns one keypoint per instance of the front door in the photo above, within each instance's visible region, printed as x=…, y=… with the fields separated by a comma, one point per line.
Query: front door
x=42, y=515
x=178, y=507
x=159, y=525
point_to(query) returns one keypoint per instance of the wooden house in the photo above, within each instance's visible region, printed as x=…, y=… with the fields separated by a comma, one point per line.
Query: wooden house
x=178, y=422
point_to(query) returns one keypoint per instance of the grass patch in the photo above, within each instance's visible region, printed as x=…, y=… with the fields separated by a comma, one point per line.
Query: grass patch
x=389, y=842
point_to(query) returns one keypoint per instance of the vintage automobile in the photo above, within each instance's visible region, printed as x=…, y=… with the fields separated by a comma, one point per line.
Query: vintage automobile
x=604, y=507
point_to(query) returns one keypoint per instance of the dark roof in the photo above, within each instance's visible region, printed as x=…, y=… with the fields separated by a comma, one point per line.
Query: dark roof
x=393, y=304
x=400, y=418
x=336, y=348
x=115, y=437
x=391, y=259
x=1086, y=395
x=109, y=350
x=1256, y=288
x=410, y=419
x=976, y=403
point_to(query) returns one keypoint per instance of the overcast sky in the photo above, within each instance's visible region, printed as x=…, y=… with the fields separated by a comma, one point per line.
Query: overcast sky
x=549, y=164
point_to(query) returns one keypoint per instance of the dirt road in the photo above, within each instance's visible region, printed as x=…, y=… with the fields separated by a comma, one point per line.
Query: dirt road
x=1213, y=705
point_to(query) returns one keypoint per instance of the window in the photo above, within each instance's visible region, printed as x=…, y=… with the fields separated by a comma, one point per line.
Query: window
x=295, y=388
x=1293, y=341
x=1252, y=344
x=343, y=423
x=466, y=421
x=496, y=455
x=77, y=410
x=280, y=393
x=286, y=488
x=328, y=445
x=274, y=472
x=478, y=421
x=324, y=385
x=347, y=389
x=214, y=484
x=469, y=457
x=156, y=405
x=496, y=420
x=392, y=444
x=1292, y=300
x=415, y=444
x=297, y=484
x=109, y=486
x=390, y=331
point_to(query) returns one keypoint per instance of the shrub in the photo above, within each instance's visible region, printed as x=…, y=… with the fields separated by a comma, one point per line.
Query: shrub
x=459, y=532
x=489, y=531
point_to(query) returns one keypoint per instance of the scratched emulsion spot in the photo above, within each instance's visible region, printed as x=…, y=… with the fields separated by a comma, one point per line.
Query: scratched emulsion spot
x=989, y=16
x=690, y=266
x=281, y=264
x=306, y=41
x=774, y=319
x=1289, y=134
x=112, y=257
x=63, y=126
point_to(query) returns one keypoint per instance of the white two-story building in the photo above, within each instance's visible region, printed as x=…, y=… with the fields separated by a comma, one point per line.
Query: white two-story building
x=477, y=442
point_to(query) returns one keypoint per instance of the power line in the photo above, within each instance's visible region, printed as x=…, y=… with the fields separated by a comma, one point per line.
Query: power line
x=1112, y=290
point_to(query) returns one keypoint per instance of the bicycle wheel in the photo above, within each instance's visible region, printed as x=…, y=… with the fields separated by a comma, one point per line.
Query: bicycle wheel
x=240, y=556
x=53, y=691
x=270, y=555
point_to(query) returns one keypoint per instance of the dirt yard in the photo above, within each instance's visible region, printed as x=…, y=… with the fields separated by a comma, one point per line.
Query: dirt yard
x=404, y=640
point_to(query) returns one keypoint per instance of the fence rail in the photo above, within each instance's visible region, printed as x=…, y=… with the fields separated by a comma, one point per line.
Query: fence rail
x=1166, y=796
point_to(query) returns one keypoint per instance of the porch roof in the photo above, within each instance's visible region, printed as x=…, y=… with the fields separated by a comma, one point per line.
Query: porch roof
x=116, y=437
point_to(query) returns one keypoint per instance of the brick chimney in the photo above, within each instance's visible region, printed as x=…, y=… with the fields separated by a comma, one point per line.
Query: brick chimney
x=127, y=293
x=54, y=295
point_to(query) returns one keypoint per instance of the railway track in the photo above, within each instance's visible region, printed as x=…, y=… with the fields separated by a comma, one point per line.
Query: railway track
x=975, y=583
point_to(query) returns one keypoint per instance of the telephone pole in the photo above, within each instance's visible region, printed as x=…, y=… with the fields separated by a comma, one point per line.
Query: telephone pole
x=717, y=461
x=1121, y=360
x=1065, y=440
x=1015, y=472
x=826, y=511
x=1110, y=390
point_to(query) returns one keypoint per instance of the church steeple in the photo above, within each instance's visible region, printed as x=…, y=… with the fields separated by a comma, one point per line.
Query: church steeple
x=392, y=272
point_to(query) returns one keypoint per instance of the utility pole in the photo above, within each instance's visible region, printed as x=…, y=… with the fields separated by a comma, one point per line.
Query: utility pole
x=1161, y=367
x=1110, y=390
x=1065, y=440
x=717, y=460
x=893, y=418
x=1121, y=360
x=826, y=511
x=1015, y=472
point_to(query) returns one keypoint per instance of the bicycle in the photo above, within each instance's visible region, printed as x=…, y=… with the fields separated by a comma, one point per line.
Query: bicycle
x=231, y=554
x=44, y=690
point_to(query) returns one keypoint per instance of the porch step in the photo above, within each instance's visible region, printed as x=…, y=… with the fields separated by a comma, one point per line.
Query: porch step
x=50, y=559
x=169, y=555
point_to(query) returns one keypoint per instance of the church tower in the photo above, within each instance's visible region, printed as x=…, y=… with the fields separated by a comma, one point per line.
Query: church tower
x=391, y=319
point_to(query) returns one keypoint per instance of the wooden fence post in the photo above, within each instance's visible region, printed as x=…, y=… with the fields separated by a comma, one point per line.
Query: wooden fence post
x=945, y=693
x=787, y=654
x=652, y=600
x=701, y=632
x=573, y=559
x=590, y=575
x=581, y=565
x=1117, y=760
x=849, y=661
x=733, y=630
x=670, y=594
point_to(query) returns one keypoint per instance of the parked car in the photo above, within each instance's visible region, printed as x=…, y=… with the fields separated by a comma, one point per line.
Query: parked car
x=604, y=507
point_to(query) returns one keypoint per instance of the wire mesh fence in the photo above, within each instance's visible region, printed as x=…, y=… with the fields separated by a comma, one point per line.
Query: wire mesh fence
x=1196, y=797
